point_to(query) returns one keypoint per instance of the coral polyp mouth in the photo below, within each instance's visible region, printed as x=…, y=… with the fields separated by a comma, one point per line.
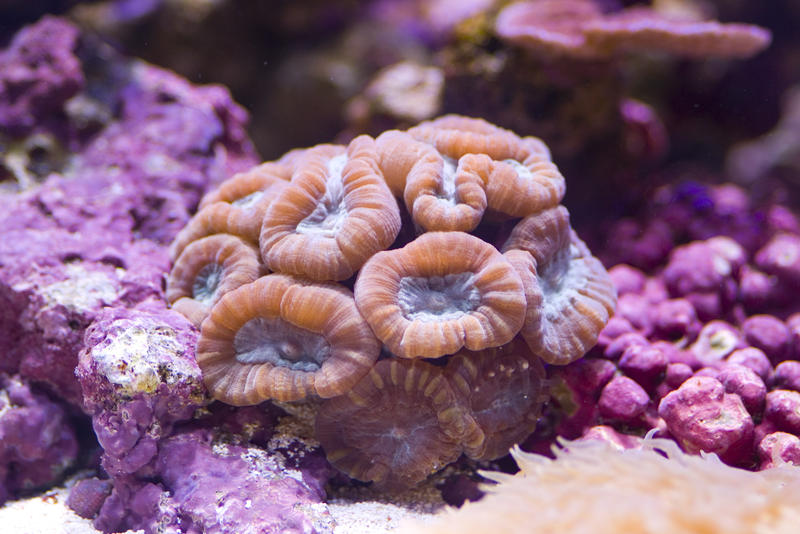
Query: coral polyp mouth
x=206, y=283
x=438, y=298
x=447, y=189
x=330, y=214
x=248, y=201
x=271, y=340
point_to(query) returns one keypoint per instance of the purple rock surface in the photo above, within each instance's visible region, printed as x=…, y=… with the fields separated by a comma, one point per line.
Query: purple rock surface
x=74, y=244
x=82, y=313
x=37, y=440
x=703, y=417
x=38, y=74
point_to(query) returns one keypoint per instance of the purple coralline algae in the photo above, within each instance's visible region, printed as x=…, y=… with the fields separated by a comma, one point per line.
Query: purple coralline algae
x=138, y=377
x=709, y=331
x=703, y=417
x=39, y=73
x=37, y=441
x=73, y=245
x=83, y=321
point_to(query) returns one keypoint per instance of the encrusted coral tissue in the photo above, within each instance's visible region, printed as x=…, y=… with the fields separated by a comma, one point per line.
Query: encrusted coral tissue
x=420, y=343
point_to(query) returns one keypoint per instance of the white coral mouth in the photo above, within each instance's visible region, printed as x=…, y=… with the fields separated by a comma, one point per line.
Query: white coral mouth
x=272, y=340
x=438, y=298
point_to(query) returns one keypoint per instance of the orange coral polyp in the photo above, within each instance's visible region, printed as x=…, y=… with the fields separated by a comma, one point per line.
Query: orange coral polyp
x=446, y=195
x=569, y=294
x=207, y=269
x=454, y=136
x=236, y=207
x=284, y=338
x=337, y=206
x=476, y=296
x=504, y=389
x=496, y=169
x=398, y=425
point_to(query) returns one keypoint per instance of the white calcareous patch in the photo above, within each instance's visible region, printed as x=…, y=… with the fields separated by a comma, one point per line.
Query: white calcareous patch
x=137, y=356
x=248, y=201
x=561, y=281
x=447, y=189
x=82, y=290
x=522, y=171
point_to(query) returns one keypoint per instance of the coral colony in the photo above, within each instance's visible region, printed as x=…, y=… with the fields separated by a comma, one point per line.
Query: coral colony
x=203, y=342
x=414, y=353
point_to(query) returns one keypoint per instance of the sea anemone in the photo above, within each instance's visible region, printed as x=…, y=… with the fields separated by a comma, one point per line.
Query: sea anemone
x=592, y=486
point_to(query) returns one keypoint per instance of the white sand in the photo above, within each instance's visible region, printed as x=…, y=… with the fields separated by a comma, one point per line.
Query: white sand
x=48, y=514
x=44, y=514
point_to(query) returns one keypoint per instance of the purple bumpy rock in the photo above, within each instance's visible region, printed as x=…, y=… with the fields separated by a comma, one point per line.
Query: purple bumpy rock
x=703, y=417
x=769, y=334
x=716, y=340
x=72, y=245
x=745, y=383
x=38, y=74
x=87, y=496
x=644, y=364
x=703, y=273
x=37, y=442
x=787, y=375
x=779, y=448
x=783, y=410
x=139, y=377
x=623, y=400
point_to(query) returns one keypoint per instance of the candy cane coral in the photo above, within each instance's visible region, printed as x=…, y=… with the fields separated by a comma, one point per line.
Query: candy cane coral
x=483, y=320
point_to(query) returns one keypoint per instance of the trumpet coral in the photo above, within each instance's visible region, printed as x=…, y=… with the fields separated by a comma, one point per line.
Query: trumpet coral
x=236, y=207
x=397, y=426
x=284, y=338
x=207, y=269
x=441, y=292
x=336, y=204
x=570, y=295
x=446, y=295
